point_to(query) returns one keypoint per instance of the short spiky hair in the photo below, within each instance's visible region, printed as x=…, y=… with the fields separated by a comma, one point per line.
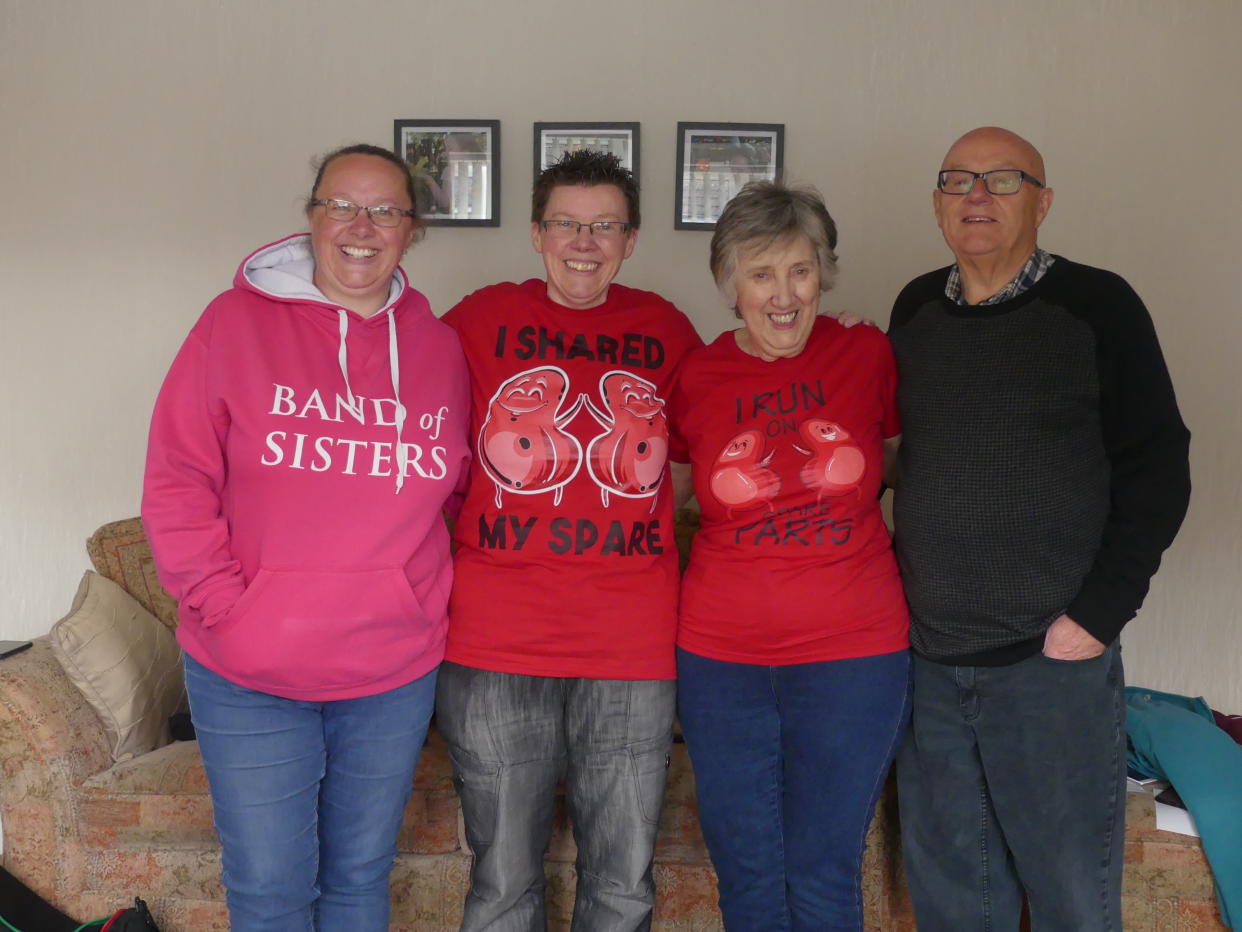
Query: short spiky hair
x=588, y=168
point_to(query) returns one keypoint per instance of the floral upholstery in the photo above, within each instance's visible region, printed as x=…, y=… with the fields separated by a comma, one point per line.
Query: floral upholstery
x=51, y=740
x=119, y=551
x=89, y=835
x=1167, y=883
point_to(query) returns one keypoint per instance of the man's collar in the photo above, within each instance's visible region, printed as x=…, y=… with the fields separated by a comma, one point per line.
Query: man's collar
x=1034, y=269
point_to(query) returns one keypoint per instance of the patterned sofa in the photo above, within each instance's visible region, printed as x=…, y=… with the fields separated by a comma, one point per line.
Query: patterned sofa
x=88, y=834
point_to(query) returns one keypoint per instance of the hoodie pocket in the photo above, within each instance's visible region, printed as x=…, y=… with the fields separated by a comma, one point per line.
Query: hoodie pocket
x=299, y=630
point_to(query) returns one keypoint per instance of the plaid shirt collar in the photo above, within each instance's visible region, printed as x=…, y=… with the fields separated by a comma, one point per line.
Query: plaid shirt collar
x=1027, y=276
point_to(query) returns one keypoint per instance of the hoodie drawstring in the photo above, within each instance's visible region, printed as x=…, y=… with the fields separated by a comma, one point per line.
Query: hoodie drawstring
x=342, y=358
x=394, y=370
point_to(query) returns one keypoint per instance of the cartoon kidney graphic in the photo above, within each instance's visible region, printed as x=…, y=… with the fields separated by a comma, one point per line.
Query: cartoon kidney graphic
x=628, y=458
x=522, y=446
x=740, y=479
x=836, y=465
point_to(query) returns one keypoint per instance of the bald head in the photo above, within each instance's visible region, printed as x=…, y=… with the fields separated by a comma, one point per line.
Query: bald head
x=994, y=138
x=992, y=235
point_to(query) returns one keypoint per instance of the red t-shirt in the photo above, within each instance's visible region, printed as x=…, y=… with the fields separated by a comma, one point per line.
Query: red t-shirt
x=566, y=564
x=794, y=563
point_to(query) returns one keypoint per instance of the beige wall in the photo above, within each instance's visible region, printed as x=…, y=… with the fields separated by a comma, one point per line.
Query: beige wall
x=147, y=145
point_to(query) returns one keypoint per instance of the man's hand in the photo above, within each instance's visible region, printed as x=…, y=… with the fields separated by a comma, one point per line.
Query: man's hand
x=1066, y=639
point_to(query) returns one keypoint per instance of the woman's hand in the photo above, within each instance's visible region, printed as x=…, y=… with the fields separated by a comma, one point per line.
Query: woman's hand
x=848, y=319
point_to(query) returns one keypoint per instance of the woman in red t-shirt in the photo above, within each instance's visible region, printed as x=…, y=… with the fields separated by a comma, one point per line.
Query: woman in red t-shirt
x=792, y=653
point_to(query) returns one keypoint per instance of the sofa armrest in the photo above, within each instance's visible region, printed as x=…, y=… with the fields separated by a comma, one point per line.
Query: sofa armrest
x=119, y=551
x=50, y=741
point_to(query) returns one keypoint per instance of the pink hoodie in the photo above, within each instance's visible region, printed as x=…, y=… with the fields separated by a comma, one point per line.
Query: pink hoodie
x=306, y=563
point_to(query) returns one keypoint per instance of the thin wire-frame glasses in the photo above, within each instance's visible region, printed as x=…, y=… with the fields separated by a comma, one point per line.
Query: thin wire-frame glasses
x=565, y=229
x=343, y=211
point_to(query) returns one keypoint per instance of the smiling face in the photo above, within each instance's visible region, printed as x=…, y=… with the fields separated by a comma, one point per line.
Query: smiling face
x=777, y=297
x=992, y=228
x=354, y=261
x=580, y=268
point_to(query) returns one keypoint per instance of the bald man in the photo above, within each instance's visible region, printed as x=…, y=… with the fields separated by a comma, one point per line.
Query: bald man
x=1042, y=473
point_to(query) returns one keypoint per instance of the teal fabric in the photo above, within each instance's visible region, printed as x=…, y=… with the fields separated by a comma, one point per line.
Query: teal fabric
x=1175, y=738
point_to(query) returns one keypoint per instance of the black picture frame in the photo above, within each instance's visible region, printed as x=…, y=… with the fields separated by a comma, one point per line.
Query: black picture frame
x=714, y=161
x=456, y=166
x=552, y=139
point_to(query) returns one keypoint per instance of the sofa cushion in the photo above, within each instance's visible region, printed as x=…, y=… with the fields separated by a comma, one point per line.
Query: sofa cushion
x=161, y=800
x=119, y=551
x=158, y=800
x=125, y=662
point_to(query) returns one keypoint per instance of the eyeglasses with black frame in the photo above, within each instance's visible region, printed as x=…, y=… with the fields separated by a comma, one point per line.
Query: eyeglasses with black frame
x=343, y=211
x=604, y=229
x=1002, y=181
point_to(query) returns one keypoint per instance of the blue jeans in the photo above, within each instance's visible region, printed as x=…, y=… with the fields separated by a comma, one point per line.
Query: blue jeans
x=512, y=739
x=789, y=762
x=308, y=799
x=1013, y=781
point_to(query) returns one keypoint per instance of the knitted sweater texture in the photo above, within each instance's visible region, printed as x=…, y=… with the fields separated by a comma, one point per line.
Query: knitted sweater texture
x=1043, y=467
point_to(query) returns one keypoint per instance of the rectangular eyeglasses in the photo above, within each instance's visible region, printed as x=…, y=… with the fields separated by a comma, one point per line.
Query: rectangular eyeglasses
x=1003, y=181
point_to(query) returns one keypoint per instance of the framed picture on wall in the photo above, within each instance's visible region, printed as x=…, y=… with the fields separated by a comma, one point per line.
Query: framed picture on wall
x=456, y=166
x=714, y=161
x=552, y=140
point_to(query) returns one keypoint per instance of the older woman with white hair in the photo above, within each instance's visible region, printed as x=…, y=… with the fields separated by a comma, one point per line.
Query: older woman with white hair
x=792, y=656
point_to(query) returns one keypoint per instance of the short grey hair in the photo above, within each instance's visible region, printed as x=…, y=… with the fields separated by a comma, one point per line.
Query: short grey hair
x=762, y=213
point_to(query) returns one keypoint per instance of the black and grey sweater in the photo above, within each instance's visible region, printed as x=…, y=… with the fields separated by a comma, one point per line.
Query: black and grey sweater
x=1043, y=466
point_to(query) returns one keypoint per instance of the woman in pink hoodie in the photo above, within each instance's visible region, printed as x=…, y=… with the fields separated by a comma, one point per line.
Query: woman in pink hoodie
x=304, y=445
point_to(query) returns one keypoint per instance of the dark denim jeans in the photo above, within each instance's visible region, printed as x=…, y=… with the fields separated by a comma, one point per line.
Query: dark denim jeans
x=512, y=739
x=789, y=762
x=308, y=799
x=1013, y=781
